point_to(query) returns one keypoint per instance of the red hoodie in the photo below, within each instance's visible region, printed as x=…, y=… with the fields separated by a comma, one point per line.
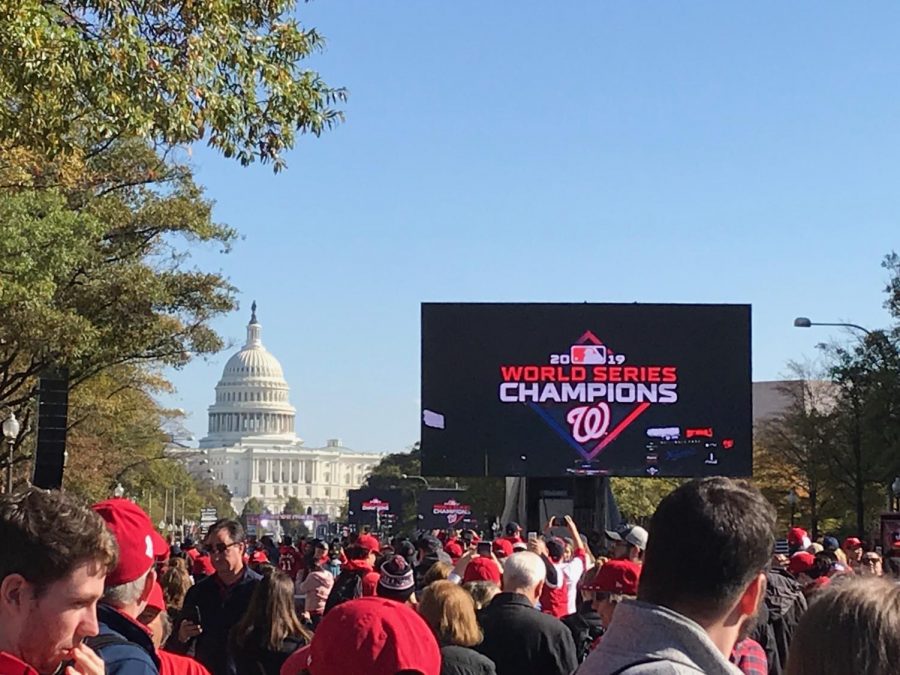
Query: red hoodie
x=369, y=575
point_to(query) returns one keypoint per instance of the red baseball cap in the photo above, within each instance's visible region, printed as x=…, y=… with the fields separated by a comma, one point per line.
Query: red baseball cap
x=796, y=537
x=502, y=548
x=616, y=576
x=157, y=600
x=481, y=569
x=139, y=542
x=851, y=544
x=259, y=557
x=801, y=561
x=369, y=542
x=375, y=636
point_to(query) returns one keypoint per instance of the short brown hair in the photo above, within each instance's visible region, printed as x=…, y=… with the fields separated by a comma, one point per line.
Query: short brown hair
x=46, y=534
x=450, y=612
x=708, y=539
x=853, y=626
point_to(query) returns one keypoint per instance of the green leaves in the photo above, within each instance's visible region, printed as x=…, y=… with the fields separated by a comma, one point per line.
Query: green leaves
x=174, y=72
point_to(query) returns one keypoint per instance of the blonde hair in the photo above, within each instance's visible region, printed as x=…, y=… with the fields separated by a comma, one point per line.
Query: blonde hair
x=439, y=571
x=175, y=584
x=450, y=612
x=482, y=592
x=853, y=626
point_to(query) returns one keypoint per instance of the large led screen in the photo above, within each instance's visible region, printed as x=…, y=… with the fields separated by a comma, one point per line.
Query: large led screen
x=443, y=508
x=374, y=507
x=586, y=389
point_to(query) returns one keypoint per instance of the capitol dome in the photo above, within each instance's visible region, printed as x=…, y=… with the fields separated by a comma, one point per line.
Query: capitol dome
x=252, y=395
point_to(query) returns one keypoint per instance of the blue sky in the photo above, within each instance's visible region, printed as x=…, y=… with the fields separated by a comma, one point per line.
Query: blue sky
x=579, y=151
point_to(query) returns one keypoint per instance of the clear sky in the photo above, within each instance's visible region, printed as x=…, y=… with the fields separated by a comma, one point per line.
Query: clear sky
x=577, y=151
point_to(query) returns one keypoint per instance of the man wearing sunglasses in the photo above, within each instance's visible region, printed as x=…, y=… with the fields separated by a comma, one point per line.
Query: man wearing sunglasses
x=215, y=604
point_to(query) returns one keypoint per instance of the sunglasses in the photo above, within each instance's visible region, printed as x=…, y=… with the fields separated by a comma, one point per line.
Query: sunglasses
x=220, y=548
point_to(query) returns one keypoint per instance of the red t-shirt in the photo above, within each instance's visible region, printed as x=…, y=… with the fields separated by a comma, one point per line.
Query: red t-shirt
x=176, y=664
x=290, y=561
x=10, y=665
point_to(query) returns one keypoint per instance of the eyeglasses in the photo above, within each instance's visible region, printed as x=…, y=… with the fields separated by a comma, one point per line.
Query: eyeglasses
x=220, y=548
x=870, y=561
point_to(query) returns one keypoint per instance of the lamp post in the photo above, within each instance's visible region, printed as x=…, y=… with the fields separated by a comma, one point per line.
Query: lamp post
x=411, y=477
x=10, y=433
x=792, y=499
x=805, y=322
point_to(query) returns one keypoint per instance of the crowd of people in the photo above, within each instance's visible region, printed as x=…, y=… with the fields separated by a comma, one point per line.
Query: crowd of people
x=95, y=589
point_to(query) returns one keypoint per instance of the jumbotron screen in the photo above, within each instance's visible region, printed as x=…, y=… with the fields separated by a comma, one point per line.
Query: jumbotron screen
x=375, y=507
x=586, y=389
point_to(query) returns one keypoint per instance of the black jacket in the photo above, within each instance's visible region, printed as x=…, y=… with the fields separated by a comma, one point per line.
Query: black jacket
x=778, y=617
x=520, y=640
x=126, y=649
x=250, y=661
x=585, y=627
x=456, y=660
x=220, y=609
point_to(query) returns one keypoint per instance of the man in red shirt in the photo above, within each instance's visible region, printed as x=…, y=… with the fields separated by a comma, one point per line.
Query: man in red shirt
x=54, y=560
x=513, y=533
x=289, y=559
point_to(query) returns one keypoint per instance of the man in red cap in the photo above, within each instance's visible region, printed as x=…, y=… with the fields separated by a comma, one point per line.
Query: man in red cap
x=616, y=580
x=853, y=548
x=125, y=644
x=369, y=636
x=54, y=557
x=213, y=606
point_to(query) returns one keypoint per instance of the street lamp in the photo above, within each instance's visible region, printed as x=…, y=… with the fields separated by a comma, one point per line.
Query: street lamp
x=411, y=477
x=119, y=491
x=792, y=499
x=10, y=433
x=804, y=322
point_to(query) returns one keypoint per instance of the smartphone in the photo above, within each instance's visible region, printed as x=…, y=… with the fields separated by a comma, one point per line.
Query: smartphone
x=193, y=615
x=483, y=549
x=532, y=535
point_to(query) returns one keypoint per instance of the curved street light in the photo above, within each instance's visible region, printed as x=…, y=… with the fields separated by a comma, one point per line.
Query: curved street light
x=804, y=322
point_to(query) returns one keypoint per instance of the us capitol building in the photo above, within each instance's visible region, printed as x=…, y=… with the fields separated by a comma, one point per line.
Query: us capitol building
x=252, y=447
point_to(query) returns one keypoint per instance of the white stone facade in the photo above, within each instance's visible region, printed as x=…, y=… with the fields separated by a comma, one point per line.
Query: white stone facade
x=252, y=447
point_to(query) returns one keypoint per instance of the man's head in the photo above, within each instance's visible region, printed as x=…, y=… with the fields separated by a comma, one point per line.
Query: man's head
x=128, y=585
x=287, y=540
x=616, y=580
x=396, y=581
x=524, y=573
x=710, y=541
x=853, y=548
x=54, y=558
x=629, y=542
x=513, y=529
x=226, y=545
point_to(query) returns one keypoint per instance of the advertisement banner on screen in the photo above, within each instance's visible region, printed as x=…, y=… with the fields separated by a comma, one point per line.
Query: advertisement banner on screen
x=586, y=389
x=374, y=507
x=440, y=509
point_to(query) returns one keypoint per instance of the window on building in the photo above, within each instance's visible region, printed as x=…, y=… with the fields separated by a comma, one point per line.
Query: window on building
x=327, y=492
x=308, y=491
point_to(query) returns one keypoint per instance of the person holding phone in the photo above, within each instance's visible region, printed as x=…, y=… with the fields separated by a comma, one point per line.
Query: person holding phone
x=217, y=603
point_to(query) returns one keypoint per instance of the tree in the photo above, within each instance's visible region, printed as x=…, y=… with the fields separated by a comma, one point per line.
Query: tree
x=76, y=73
x=293, y=506
x=799, y=441
x=252, y=507
x=96, y=277
x=638, y=498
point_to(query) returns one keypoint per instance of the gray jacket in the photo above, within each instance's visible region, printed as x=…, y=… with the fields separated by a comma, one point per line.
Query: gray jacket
x=647, y=639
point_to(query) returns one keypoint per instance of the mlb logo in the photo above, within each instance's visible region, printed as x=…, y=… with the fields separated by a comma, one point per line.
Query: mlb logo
x=588, y=354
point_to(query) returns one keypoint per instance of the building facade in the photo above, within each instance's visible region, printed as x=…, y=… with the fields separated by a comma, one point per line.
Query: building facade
x=252, y=447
